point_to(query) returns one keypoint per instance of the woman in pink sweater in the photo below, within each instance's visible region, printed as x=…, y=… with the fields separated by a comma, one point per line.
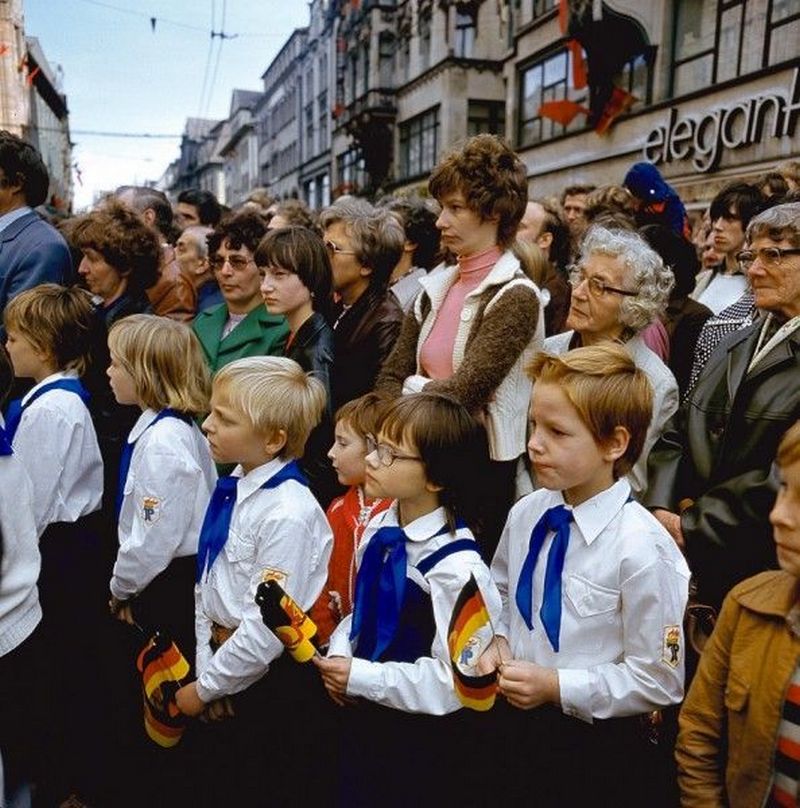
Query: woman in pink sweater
x=477, y=321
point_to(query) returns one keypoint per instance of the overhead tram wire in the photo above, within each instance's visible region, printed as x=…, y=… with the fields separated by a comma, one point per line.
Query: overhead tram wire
x=208, y=63
x=222, y=37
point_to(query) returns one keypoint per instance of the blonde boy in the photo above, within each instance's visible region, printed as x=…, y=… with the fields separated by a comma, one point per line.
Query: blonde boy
x=593, y=590
x=262, y=410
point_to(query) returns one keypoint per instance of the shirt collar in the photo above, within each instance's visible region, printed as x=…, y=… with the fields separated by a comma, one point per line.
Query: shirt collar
x=145, y=419
x=61, y=374
x=7, y=219
x=251, y=482
x=594, y=516
x=421, y=529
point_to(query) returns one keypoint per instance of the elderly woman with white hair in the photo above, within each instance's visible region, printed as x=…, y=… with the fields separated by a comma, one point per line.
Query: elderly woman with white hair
x=619, y=286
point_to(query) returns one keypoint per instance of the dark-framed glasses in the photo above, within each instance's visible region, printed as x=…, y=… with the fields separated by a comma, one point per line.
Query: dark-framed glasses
x=334, y=249
x=386, y=455
x=236, y=262
x=769, y=256
x=597, y=287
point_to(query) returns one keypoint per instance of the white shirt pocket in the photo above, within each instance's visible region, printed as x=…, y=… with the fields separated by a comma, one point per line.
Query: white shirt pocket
x=595, y=617
x=590, y=599
x=239, y=548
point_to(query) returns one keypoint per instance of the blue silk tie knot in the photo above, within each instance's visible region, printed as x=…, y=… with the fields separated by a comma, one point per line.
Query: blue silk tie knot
x=380, y=589
x=556, y=519
x=216, y=524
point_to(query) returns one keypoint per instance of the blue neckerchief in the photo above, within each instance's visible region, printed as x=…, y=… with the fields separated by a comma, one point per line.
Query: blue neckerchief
x=16, y=407
x=217, y=521
x=127, y=451
x=380, y=590
x=556, y=519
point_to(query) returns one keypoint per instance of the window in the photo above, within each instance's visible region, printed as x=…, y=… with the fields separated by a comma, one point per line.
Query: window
x=717, y=41
x=322, y=70
x=465, y=34
x=540, y=7
x=486, y=117
x=385, y=57
x=309, y=113
x=323, y=114
x=419, y=143
x=352, y=174
x=550, y=79
x=425, y=39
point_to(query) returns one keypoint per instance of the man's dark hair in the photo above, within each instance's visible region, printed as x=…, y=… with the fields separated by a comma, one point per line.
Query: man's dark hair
x=418, y=217
x=22, y=164
x=677, y=253
x=245, y=229
x=208, y=209
x=738, y=200
x=554, y=223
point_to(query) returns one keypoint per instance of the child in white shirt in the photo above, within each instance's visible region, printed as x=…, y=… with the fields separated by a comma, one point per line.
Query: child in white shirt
x=594, y=592
x=262, y=523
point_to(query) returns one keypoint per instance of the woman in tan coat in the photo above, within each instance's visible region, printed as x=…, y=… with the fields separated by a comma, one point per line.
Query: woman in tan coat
x=739, y=741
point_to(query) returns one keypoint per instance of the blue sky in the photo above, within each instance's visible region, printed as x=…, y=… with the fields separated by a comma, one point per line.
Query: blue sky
x=121, y=76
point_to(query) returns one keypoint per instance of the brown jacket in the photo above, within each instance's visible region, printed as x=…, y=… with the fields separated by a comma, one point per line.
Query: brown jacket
x=729, y=721
x=173, y=294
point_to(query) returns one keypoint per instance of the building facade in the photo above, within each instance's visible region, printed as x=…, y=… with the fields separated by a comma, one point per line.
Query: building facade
x=48, y=125
x=238, y=147
x=714, y=86
x=368, y=98
x=315, y=73
x=279, y=118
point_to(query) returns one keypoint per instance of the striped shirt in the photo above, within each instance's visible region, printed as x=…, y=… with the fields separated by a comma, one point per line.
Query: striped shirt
x=787, y=751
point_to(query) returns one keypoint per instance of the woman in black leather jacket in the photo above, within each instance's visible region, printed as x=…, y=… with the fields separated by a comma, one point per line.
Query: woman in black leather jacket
x=296, y=282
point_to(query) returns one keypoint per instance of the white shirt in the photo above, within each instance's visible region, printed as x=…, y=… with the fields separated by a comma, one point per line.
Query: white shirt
x=625, y=586
x=424, y=686
x=20, y=611
x=280, y=532
x=722, y=291
x=57, y=444
x=166, y=493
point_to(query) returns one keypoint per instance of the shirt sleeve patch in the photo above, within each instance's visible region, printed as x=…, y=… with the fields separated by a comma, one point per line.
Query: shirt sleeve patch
x=274, y=574
x=151, y=510
x=671, y=646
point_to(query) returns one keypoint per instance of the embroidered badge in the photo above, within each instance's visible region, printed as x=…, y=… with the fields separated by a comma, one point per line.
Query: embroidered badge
x=671, y=647
x=274, y=574
x=151, y=509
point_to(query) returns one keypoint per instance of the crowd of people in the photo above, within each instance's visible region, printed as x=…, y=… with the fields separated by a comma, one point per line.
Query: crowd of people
x=558, y=434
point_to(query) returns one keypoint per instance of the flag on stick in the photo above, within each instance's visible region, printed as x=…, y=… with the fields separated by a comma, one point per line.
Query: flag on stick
x=286, y=620
x=469, y=634
x=163, y=667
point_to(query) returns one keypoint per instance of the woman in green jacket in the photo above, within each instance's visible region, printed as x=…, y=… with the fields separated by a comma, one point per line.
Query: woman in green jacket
x=240, y=326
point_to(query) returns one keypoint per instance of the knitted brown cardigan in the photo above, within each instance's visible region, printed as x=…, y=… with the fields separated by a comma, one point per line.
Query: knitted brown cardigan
x=494, y=344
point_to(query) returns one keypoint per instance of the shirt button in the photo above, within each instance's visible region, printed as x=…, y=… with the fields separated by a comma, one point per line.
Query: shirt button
x=466, y=315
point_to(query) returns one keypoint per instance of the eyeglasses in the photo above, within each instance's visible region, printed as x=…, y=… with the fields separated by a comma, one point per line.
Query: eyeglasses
x=335, y=249
x=769, y=256
x=236, y=262
x=597, y=288
x=386, y=455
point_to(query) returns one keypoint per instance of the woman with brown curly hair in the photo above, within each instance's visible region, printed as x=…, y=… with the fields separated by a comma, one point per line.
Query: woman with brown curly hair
x=120, y=259
x=476, y=322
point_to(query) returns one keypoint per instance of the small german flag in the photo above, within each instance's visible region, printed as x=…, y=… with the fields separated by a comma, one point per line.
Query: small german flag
x=163, y=667
x=286, y=620
x=469, y=634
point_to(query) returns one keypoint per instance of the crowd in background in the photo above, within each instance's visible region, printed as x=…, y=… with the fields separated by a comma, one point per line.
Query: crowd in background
x=454, y=293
